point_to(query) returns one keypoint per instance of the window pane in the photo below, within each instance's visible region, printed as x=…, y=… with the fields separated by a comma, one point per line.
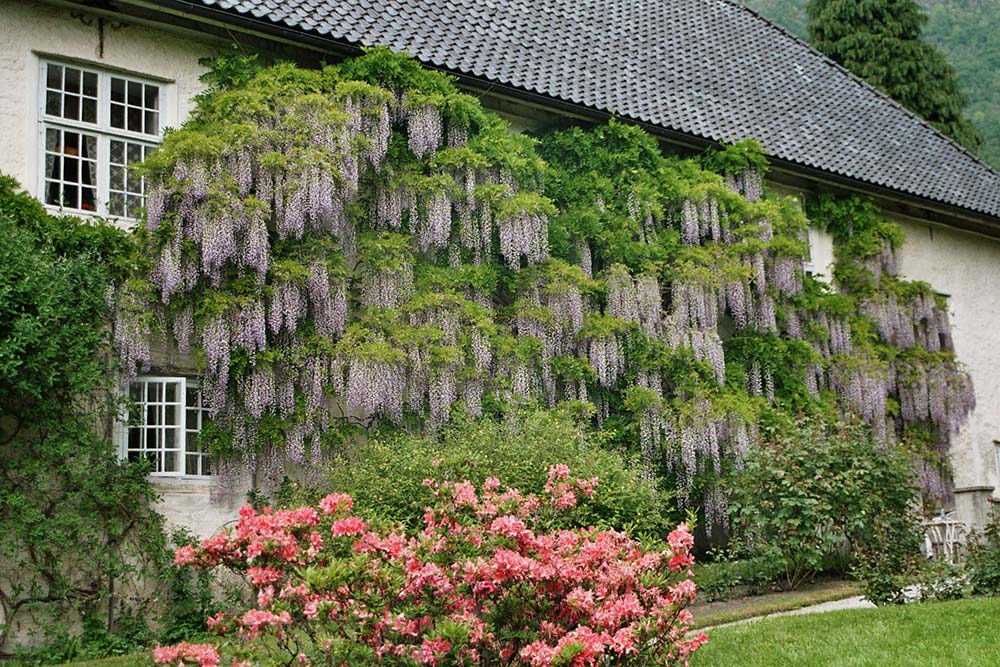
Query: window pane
x=170, y=438
x=192, y=421
x=53, y=77
x=70, y=195
x=155, y=391
x=152, y=415
x=171, y=393
x=152, y=97
x=117, y=151
x=90, y=84
x=117, y=116
x=133, y=205
x=116, y=204
x=134, y=153
x=117, y=178
x=88, y=199
x=191, y=465
x=134, y=93
x=152, y=122
x=71, y=107
x=117, y=89
x=170, y=415
x=169, y=461
x=89, y=110
x=71, y=83
x=134, y=119
x=52, y=103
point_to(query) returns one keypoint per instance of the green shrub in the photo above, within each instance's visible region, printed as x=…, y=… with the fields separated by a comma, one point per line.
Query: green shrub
x=732, y=577
x=813, y=489
x=939, y=580
x=387, y=472
x=983, y=562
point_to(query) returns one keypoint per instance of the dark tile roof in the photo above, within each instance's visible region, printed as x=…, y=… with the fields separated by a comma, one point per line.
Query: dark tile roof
x=709, y=68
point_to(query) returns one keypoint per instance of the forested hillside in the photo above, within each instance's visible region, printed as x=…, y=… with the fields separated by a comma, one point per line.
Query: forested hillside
x=968, y=31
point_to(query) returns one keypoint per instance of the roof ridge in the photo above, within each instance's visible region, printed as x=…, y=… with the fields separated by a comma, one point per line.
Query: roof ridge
x=859, y=80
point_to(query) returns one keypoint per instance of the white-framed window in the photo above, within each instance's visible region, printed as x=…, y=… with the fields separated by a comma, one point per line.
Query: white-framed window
x=165, y=417
x=94, y=124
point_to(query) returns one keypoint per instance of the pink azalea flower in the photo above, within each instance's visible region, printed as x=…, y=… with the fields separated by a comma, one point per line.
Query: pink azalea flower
x=336, y=502
x=352, y=525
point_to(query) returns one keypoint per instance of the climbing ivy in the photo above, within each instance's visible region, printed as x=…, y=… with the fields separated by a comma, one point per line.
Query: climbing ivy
x=76, y=522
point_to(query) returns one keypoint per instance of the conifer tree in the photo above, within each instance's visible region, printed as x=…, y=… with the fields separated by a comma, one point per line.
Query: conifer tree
x=879, y=40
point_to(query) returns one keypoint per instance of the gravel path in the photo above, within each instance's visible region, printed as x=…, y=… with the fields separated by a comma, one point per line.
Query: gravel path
x=856, y=602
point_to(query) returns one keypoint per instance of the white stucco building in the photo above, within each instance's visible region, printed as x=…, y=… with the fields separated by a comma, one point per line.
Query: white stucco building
x=88, y=87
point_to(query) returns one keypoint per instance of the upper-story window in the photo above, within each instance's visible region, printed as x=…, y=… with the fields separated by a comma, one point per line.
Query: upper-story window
x=94, y=125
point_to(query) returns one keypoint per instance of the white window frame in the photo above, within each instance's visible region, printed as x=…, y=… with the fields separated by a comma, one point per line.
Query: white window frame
x=807, y=265
x=102, y=130
x=996, y=456
x=180, y=468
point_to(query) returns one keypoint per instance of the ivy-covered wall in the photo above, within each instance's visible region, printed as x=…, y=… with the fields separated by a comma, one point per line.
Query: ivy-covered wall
x=364, y=245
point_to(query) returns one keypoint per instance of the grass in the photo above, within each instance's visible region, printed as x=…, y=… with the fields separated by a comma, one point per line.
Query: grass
x=136, y=660
x=936, y=634
x=774, y=604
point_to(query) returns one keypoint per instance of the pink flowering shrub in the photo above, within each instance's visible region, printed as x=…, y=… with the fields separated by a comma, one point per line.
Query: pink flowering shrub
x=484, y=583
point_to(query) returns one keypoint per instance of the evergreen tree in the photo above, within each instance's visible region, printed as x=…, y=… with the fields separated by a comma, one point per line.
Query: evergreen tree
x=879, y=40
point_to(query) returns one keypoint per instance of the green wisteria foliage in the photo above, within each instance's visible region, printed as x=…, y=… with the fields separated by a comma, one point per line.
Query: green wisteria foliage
x=365, y=244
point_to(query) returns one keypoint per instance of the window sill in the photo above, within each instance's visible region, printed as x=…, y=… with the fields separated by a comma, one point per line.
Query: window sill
x=91, y=216
x=180, y=483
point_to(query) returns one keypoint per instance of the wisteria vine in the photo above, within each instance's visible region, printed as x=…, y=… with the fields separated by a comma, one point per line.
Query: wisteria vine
x=364, y=244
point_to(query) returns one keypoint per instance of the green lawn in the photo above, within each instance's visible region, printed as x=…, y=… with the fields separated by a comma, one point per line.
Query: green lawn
x=139, y=660
x=962, y=633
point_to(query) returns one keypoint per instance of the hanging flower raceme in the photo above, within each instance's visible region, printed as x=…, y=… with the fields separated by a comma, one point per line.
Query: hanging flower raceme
x=329, y=303
x=375, y=387
x=607, y=358
x=424, y=129
x=387, y=287
x=131, y=330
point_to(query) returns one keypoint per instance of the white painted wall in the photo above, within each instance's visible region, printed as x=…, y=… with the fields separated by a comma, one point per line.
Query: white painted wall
x=966, y=267
x=31, y=31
